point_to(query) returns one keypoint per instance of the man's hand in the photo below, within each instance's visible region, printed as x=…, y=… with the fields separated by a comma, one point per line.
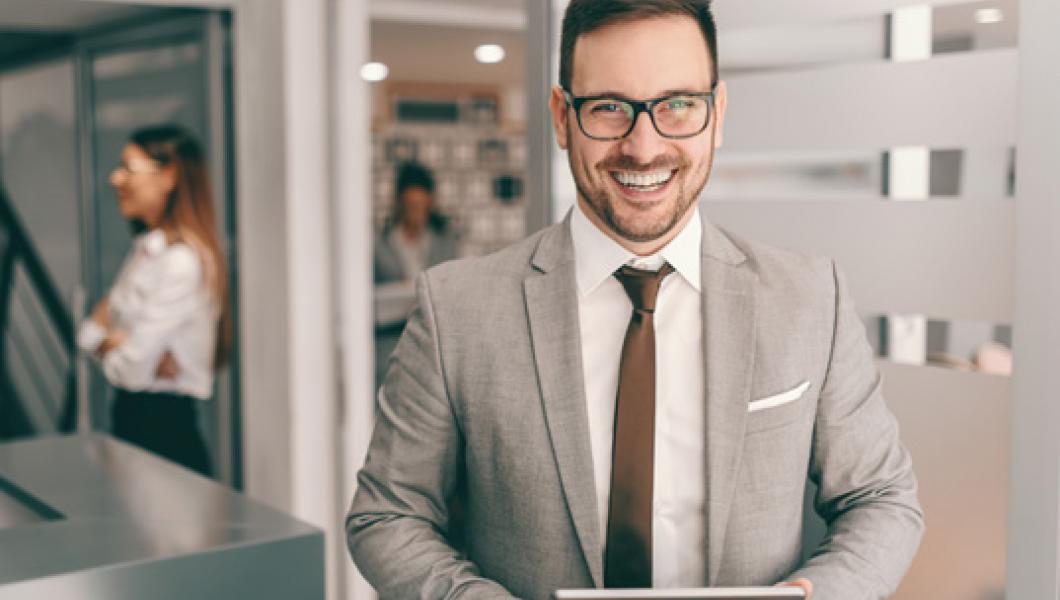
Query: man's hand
x=115, y=338
x=800, y=583
x=167, y=367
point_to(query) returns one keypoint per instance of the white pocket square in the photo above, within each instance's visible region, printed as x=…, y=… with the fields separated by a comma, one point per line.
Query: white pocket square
x=779, y=399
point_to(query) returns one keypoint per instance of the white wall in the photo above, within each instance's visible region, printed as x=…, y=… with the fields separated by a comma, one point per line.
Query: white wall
x=352, y=218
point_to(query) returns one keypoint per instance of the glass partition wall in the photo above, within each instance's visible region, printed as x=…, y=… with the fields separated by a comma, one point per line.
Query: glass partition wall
x=449, y=145
x=68, y=103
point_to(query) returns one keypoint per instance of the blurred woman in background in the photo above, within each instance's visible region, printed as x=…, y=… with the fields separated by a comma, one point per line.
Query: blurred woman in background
x=163, y=328
x=416, y=236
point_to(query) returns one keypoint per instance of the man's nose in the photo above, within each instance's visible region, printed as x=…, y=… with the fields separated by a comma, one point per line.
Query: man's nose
x=644, y=143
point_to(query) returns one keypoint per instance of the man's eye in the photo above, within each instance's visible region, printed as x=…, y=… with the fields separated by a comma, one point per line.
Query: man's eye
x=678, y=104
x=607, y=107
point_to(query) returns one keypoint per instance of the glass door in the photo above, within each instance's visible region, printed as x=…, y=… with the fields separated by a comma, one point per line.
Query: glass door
x=167, y=71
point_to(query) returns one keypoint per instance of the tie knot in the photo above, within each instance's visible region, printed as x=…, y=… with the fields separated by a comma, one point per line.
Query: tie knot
x=642, y=286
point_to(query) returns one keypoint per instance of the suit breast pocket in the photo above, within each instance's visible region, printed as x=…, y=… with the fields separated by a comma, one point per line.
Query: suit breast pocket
x=777, y=442
x=780, y=409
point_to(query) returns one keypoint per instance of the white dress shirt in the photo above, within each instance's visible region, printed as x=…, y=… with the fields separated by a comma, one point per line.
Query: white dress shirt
x=604, y=309
x=162, y=302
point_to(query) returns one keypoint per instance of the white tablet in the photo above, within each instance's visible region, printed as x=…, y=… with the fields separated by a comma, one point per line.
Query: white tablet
x=735, y=593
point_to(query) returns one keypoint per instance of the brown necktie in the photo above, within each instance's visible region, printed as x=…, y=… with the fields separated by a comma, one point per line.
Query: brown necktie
x=628, y=552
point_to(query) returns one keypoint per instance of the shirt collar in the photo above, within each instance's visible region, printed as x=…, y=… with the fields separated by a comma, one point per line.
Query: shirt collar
x=152, y=242
x=597, y=256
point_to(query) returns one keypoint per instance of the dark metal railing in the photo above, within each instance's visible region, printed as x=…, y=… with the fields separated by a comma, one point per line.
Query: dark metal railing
x=49, y=324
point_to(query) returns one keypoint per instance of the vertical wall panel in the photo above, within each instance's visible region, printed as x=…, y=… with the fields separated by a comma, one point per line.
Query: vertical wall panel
x=1035, y=492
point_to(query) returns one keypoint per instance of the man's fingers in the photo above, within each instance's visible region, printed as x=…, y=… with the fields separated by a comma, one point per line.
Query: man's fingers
x=803, y=583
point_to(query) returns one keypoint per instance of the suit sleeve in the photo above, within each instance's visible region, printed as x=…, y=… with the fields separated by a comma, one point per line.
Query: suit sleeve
x=396, y=523
x=866, y=490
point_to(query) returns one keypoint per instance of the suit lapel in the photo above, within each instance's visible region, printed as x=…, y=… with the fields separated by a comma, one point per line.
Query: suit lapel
x=729, y=353
x=552, y=310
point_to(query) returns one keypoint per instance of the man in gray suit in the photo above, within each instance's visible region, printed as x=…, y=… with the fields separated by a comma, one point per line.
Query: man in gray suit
x=633, y=397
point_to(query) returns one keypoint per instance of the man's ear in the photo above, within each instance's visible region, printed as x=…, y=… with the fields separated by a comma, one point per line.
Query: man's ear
x=721, y=100
x=557, y=104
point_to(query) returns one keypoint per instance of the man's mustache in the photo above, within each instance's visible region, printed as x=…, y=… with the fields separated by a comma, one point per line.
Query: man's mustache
x=628, y=163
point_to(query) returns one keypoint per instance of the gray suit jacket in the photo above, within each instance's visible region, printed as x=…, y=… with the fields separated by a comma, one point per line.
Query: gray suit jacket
x=484, y=393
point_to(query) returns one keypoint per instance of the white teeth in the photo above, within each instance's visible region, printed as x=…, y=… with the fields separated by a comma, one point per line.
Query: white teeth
x=636, y=179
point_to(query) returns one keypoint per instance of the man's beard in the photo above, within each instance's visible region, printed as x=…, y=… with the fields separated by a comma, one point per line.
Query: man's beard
x=635, y=227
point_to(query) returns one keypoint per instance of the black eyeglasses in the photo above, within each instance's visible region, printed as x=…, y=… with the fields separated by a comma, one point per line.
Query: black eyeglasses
x=675, y=116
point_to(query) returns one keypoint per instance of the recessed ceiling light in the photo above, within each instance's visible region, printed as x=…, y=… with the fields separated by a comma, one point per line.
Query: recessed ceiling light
x=489, y=53
x=987, y=16
x=374, y=71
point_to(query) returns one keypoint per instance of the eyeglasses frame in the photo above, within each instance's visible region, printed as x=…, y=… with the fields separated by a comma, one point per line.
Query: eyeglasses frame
x=639, y=106
x=125, y=170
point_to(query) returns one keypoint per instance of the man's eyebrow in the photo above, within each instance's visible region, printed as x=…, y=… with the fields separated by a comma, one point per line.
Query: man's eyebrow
x=663, y=94
x=606, y=94
x=682, y=92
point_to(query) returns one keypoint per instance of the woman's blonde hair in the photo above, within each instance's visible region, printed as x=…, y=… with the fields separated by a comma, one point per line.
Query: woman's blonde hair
x=189, y=214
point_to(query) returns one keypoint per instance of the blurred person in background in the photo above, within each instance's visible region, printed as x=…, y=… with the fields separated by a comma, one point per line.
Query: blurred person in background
x=416, y=236
x=163, y=328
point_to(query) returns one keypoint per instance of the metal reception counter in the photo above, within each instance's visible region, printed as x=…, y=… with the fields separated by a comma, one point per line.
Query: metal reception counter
x=89, y=517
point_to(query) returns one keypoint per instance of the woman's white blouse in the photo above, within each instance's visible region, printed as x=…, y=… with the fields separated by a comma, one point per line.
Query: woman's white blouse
x=162, y=302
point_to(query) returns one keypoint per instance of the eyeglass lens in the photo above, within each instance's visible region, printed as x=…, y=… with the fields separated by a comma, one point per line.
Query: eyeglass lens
x=675, y=116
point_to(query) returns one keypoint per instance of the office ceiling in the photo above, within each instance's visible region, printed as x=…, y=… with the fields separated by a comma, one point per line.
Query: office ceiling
x=486, y=14
x=429, y=53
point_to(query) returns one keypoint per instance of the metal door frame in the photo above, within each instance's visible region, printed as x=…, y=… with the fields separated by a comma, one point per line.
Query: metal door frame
x=210, y=29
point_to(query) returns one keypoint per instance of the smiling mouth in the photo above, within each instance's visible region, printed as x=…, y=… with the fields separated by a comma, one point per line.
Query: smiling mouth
x=643, y=181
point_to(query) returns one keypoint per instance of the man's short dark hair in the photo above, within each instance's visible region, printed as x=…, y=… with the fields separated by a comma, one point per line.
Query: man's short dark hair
x=413, y=174
x=585, y=16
